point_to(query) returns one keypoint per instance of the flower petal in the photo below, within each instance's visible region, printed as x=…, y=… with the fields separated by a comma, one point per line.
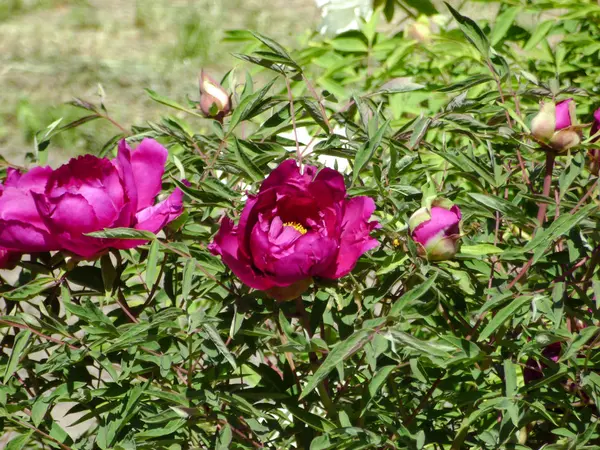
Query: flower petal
x=442, y=219
x=25, y=237
x=154, y=218
x=125, y=170
x=148, y=165
x=563, y=114
x=226, y=244
x=354, y=239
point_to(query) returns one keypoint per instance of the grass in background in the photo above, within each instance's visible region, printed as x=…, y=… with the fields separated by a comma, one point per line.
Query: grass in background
x=54, y=50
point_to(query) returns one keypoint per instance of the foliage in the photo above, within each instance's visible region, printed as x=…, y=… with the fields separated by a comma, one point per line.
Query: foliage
x=161, y=347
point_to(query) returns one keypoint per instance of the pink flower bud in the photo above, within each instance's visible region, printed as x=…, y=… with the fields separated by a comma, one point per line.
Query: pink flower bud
x=436, y=230
x=555, y=125
x=214, y=100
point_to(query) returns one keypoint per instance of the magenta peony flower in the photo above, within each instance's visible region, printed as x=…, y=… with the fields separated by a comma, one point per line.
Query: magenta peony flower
x=21, y=227
x=299, y=225
x=534, y=369
x=436, y=230
x=594, y=154
x=8, y=259
x=553, y=125
x=87, y=194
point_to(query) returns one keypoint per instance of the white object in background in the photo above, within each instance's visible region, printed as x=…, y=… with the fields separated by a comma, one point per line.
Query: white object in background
x=343, y=15
x=307, y=145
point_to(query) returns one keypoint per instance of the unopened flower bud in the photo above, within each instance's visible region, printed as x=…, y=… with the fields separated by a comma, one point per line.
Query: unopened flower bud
x=214, y=100
x=564, y=140
x=555, y=125
x=420, y=30
x=544, y=124
x=437, y=230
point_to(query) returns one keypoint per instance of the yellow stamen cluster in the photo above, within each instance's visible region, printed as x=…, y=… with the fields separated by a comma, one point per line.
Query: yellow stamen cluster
x=298, y=227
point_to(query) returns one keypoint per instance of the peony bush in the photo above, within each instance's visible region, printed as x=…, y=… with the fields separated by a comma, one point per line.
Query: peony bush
x=381, y=239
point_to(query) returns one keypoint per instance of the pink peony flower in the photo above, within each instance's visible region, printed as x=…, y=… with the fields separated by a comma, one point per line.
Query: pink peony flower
x=85, y=195
x=594, y=154
x=436, y=230
x=299, y=225
x=21, y=227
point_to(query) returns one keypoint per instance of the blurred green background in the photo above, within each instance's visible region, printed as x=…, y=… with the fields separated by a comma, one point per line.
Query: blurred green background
x=54, y=50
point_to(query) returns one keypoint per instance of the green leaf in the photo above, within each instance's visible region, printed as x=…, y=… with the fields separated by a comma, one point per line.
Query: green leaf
x=312, y=420
x=159, y=431
x=421, y=127
x=39, y=409
x=123, y=233
x=224, y=438
x=152, y=265
x=172, y=104
x=499, y=204
x=367, y=150
x=503, y=23
x=20, y=343
x=340, y=353
x=351, y=41
x=479, y=249
x=412, y=296
x=472, y=32
x=379, y=378
x=431, y=349
x=247, y=106
x=503, y=315
x=276, y=48
x=246, y=164
x=18, y=442
x=397, y=86
x=215, y=337
x=30, y=290
x=188, y=274
x=540, y=33
x=510, y=378
x=558, y=228
x=313, y=110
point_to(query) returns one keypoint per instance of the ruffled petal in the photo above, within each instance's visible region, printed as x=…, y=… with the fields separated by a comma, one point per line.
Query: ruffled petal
x=154, y=218
x=311, y=254
x=226, y=245
x=25, y=237
x=354, y=239
x=288, y=172
x=125, y=170
x=148, y=165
